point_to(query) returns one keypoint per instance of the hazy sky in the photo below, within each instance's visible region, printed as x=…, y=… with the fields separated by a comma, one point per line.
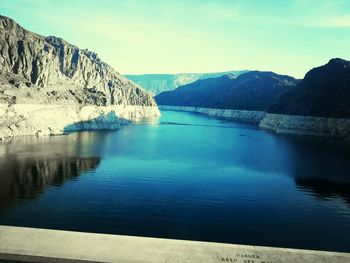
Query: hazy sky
x=172, y=36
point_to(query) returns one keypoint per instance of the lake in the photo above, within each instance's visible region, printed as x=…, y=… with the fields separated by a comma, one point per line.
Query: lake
x=183, y=176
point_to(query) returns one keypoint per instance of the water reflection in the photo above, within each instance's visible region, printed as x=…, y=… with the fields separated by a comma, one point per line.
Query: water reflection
x=28, y=164
x=210, y=180
x=324, y=190
x=319, y=167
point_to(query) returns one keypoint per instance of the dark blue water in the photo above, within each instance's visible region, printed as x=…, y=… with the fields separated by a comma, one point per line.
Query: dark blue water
x=185, y=176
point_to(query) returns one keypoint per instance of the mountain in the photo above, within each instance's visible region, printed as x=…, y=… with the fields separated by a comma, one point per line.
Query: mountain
x=48, y=71
x=324, y=92
x=254, y=90
x=157, y=83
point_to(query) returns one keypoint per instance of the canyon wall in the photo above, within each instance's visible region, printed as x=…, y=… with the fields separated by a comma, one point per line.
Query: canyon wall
x=48, y=86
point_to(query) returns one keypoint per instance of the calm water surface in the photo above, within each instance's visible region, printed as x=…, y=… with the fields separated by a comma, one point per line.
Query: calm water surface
x=184, y=176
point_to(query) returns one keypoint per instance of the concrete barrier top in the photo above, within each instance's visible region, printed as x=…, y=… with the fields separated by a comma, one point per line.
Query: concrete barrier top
x=43, y=245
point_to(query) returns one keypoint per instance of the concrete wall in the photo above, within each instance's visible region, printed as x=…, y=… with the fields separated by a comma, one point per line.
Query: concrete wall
x=42, y=245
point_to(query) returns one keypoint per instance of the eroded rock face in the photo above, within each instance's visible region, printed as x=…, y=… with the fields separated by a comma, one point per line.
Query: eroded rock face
x=50, y=70
x=48, y=86
x=41, y=119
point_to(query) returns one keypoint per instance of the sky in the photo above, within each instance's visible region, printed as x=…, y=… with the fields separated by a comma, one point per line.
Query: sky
x=172, y=36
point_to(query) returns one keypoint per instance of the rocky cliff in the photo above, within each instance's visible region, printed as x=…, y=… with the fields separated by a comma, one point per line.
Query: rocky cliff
x=324, y=92
x=255, y=91
x=157, y=83
x=319, y=105
x=50, y=71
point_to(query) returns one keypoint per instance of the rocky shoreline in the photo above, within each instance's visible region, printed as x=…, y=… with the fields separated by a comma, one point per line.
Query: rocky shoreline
x=279, y=123
x=41, y=119
x=239, y=115
x=307, y=125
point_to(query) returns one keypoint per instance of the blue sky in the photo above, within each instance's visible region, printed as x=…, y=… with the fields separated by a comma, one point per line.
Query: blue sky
x=172, y=36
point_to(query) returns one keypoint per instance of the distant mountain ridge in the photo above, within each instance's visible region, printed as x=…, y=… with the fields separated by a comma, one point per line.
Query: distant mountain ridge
x=254, y=90
x=157, y=83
